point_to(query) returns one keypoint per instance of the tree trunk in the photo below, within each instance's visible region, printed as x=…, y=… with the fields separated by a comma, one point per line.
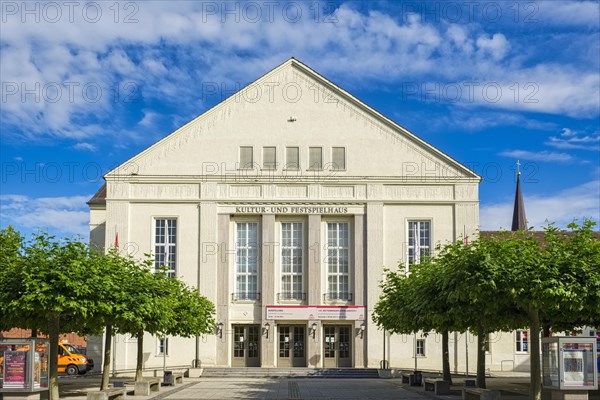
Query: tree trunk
x=534, y=355
x=140, y=357
x=106, y=360
x=53, y=336
x=481, y=334
x=446, y=357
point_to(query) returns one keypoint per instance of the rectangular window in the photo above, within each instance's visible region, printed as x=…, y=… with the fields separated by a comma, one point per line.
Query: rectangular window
x=419, y=240
x=246, y=157
x=269, y=158
x=338, y=261
x=522, y=341
x=163, y=346
x=165, y=245
x=315, y=158
x=292, y=158
x=420, y=350
x=246, y=270
x=292, y=270
x=338, y=158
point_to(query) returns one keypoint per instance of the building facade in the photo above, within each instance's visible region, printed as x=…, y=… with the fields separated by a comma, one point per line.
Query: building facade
x=283, y=205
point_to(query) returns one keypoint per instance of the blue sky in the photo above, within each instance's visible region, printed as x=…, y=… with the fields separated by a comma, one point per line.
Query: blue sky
x=86, y=85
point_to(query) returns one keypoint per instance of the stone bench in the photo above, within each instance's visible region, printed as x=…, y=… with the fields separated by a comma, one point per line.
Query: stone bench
x=438, y=386
x=483, y=394
x=178, y=378
x=410, y=378
x=108, y=394
x=145, y=386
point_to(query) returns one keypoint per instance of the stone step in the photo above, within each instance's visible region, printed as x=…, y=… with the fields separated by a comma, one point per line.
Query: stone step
x=291, y=372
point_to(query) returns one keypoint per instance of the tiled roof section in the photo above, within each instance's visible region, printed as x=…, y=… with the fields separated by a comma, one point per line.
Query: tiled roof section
x=99, y=198
x=538, y=235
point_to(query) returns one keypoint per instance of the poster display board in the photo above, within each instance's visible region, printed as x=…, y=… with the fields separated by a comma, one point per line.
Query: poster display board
x=569, y=363
x=24, y=365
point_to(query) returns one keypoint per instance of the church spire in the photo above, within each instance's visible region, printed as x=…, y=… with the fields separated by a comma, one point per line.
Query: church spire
x=519, y=222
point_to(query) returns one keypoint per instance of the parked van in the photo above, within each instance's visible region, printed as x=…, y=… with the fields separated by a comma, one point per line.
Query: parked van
x=70, y=360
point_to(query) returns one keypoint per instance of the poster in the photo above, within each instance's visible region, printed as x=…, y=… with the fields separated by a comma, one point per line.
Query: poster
x=15, y=369
x=573, y=368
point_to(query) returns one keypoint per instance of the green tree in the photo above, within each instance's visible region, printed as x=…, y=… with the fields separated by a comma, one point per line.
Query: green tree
x=152, y=302
x=52, y=286
x=410, y=302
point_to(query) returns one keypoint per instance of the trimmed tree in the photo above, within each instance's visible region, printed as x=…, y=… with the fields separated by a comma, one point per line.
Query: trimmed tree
x=52, y=286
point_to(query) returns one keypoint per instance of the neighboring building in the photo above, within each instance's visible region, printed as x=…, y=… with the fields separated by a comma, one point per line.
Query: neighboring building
x=283, y=205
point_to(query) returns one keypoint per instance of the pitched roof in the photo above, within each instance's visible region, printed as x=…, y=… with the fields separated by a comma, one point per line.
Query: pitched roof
x=299, y=66
x=99, y=198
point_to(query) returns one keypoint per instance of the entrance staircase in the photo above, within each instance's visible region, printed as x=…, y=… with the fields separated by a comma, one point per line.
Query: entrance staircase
x=347, y=373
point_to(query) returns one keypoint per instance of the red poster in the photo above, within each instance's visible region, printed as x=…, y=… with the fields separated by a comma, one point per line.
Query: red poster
x=15, y=369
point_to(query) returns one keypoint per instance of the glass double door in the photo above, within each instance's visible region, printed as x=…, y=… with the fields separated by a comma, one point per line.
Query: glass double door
x=337, y=346
x=246, y=346
x=292, y=346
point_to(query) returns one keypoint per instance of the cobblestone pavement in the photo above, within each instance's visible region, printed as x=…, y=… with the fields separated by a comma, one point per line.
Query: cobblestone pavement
x=292, y=389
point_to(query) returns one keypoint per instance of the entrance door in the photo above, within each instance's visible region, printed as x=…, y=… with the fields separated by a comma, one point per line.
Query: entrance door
x=292, y=342
x=337, y=346
x=246, y=350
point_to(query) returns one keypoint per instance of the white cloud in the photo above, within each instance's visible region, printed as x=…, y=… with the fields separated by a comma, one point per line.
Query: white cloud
x=65, y=215
x=84, y=146
x=578, y=202
x=586, y=13
x=570, y=139
x=497, y=46
x=547, y=156
x=169, y=48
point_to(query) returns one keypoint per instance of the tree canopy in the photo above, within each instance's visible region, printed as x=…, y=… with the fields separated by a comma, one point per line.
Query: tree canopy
x=58, y=286
x=507, y=281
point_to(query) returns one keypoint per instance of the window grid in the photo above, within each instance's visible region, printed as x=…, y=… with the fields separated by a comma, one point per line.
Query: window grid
x=165, y=246
x=292, y=271
x=269, y=157
x=419, y=241
x=522, y=341
x=338, y=276
x=247, y=261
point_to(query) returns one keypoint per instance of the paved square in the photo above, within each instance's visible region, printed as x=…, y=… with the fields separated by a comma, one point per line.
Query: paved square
x=292, y=389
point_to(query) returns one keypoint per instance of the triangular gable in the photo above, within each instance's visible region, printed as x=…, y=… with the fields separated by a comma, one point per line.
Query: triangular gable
x=196, y=129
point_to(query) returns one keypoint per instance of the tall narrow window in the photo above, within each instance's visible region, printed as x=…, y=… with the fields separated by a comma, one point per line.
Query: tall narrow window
x=291, y=262
x=269, y=157
x=163, y=346
x=338, y=274
x=246, y=275
x=522, y=341
x=246, y=157
x=419, y=240
x=420, y=350
x=338, y=158
x=165, y=245
x=315, y=158
x=292, y=157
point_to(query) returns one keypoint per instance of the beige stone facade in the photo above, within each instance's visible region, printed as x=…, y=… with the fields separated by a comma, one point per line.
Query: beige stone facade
x=288, y=199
